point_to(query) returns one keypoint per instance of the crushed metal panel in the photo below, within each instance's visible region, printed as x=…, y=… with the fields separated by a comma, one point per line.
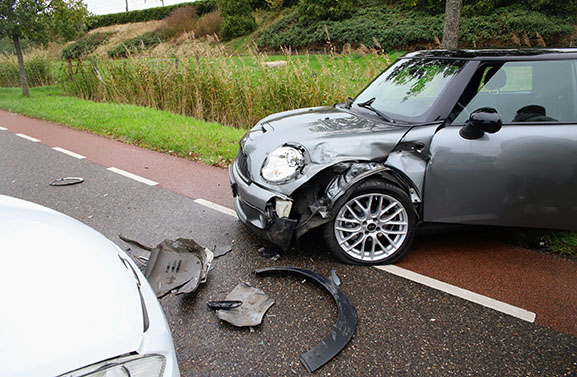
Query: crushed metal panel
x=344, y=328
x=255, y=303
x=179, y=265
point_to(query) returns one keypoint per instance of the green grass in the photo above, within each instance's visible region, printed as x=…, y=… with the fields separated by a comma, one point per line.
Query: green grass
x=563, y=243
x=211, y=143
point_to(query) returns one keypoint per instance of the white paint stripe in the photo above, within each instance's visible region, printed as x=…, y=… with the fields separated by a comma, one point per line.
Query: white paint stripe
x=216, y=207
x=133, y=176
x=460, y=292
x=3, y=129
x=28, y=138
x=65, y=151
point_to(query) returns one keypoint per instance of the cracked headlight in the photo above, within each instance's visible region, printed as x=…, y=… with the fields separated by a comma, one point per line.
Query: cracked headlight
x=129, y=366
x=282, y=164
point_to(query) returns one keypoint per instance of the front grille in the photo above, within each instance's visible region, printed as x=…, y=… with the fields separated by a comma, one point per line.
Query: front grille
x=242, y=163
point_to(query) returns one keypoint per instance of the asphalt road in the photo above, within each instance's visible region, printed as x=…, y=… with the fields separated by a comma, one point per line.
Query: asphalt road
x=405, y=329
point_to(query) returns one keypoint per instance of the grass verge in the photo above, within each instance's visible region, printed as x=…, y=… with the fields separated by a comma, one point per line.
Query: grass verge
x=211, y=143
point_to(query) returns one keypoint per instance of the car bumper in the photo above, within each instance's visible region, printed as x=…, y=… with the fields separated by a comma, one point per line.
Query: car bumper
x=255, y=205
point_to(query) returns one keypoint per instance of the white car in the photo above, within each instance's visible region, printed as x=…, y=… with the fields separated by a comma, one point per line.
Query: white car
x=73, y=303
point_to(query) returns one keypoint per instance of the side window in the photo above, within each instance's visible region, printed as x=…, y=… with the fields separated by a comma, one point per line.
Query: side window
x=542, y=91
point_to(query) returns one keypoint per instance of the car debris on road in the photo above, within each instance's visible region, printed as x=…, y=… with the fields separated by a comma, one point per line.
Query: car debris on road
x=254, y=301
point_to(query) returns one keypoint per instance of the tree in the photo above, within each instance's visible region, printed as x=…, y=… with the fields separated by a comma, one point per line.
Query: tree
x=39, y=21
x=451, y=25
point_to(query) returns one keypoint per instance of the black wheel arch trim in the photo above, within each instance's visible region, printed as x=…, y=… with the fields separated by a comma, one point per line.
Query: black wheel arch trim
x=344, y=328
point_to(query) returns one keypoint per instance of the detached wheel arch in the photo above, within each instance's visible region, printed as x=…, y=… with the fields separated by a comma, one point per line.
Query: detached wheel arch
x=373, y=223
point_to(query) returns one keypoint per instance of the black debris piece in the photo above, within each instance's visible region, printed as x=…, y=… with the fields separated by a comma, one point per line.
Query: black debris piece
x=224, y=305
x=344, y=328
x=67, y=181
x=270, y=252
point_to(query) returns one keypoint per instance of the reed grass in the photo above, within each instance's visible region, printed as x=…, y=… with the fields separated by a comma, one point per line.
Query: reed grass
x=213, y=86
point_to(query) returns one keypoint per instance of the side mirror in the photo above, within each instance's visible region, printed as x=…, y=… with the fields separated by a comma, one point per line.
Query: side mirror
x=485, y=119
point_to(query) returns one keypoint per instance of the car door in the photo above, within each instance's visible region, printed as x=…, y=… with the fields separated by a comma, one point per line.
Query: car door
x=526, y=173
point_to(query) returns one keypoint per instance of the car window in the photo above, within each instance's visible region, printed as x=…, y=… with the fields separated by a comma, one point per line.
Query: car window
x=543, y=91
x=408, y=88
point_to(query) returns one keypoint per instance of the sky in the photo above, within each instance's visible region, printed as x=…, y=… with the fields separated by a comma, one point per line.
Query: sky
x=116, y=6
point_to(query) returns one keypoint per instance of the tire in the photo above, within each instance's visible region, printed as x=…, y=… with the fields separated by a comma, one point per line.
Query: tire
x=357, y=233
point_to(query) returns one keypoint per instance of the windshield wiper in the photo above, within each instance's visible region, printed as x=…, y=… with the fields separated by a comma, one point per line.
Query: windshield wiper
x=369, y=105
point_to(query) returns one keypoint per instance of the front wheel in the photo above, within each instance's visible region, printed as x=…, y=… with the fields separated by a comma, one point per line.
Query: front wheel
x=373, y=225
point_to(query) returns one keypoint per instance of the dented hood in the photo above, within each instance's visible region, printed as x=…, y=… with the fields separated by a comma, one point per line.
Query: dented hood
x=328, y=134
x=68, y=300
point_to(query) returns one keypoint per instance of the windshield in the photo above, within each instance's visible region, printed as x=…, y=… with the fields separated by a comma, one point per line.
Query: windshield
x=409, y=87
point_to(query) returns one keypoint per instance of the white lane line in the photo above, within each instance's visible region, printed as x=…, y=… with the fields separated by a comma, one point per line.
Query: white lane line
x=72, y=154
x=30, y=138
x=133, y=176
x=3, y=129
x=216, y=207
x=460, y=292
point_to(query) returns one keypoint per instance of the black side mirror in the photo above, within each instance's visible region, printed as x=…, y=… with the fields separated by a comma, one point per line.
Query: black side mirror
x=485, y=119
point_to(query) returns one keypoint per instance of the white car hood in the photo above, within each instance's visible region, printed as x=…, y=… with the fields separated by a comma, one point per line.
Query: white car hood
x=67, y=299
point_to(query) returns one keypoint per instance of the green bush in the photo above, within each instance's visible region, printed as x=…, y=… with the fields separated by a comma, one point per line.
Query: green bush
x=82, y=47
x=318, y=10
x=394, y=29
x=202, y=7
x=238, y=19
x=133, y=45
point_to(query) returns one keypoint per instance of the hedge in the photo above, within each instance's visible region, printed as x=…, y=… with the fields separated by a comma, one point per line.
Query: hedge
x=202, y=7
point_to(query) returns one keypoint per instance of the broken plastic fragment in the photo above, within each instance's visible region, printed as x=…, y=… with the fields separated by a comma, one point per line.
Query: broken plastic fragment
x=67, y=181
x=335, y=278
x=270, y=252
x=224, y=304
x=219, y=251
x=255, y=303
x=177, y=265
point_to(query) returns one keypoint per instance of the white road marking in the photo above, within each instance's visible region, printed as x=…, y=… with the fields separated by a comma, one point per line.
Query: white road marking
x=3, y=129
x=133, y=176
x=30, y=138
x=460, y=292
x=65, y=151
x=216, y=207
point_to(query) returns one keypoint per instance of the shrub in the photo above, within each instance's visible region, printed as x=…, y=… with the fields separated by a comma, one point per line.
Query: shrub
x=210, y=23
x=202, y=7
x=38, y=71
x=139, y=43
x=180, y=20
x=318, y=10
x=82, y=47
x=237, y=18
x=393, y=29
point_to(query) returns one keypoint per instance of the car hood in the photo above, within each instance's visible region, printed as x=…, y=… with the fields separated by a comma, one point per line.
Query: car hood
x=329, y=134
x=67, y=299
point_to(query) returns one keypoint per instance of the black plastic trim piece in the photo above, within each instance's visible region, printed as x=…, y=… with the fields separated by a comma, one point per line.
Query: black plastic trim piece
x=344, y=328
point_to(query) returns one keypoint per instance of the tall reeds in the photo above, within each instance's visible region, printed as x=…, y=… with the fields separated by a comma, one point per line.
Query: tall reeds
x=236, y=91
x=37, y=65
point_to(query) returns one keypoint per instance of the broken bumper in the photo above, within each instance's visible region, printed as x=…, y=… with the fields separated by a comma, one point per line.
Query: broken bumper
x=255, y=205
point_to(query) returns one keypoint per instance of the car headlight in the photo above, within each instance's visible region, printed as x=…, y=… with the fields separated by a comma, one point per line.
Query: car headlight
x=282, y=164
x=129, y=366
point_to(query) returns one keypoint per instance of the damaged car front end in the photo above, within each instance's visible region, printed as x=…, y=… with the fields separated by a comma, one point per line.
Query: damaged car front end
x=359, y=168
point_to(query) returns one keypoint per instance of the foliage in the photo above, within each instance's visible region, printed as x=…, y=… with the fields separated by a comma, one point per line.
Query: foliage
x=84, y=46
x=237, y=18
x=42, y=20
x=318, y=10
x=201, y=6
x=184, y=20
x=38, y=70
x=471, y=8
x=210, y=143
x=228, y=90
x=392, y=28
x=133, y=45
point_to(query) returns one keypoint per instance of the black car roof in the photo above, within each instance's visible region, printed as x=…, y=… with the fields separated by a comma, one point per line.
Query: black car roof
x=498, y=54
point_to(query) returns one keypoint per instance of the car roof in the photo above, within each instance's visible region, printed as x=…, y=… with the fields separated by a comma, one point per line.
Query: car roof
x=497, y=54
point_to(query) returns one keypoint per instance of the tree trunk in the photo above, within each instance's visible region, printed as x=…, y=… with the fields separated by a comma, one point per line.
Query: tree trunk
x=451, y=26
x=23, y=79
